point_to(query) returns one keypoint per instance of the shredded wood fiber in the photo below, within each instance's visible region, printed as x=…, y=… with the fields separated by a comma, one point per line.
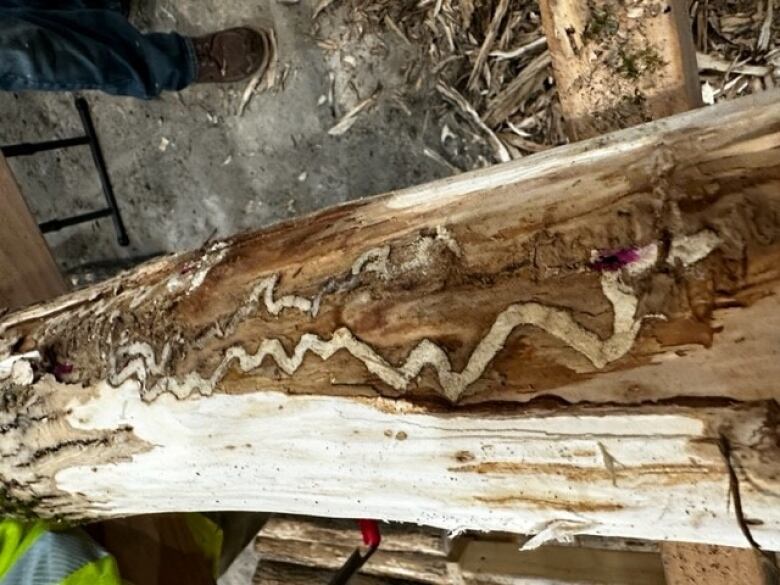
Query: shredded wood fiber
x=487, y=61
x=475, y=56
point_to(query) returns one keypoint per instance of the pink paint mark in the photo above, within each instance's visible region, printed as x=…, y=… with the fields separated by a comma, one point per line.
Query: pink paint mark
x=62, y=370
x=611, y=261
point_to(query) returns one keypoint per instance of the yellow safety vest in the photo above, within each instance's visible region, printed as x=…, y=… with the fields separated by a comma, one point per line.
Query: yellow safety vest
x=42, y=553
x=38, y=553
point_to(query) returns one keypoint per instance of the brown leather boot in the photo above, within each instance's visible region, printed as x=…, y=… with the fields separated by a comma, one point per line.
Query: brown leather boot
x=231, y=55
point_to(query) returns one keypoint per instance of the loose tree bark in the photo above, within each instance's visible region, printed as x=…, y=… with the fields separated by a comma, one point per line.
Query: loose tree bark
x=371, y=360
x=345, y=533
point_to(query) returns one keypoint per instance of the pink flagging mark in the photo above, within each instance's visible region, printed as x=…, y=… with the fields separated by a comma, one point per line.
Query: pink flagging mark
x=611, y=261
x=61, y=370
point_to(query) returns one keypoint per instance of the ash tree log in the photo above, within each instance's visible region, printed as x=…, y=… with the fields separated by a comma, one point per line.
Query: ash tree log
x=378, y=359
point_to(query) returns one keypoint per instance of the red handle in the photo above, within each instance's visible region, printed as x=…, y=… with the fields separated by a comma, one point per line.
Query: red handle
x=371, y=534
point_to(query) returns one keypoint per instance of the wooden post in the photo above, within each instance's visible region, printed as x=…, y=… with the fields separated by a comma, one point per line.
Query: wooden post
x=368, y=361
x=701, y=564
x=28, y=273
x=620, y=64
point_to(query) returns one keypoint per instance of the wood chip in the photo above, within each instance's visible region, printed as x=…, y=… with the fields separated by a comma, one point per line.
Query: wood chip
x=765, y=36
x=487, y=44
x=707, y=93
x=394, y=27
x=262, y=80
x=348, y=120
x=538, y=44
x=511, y=97
x=522, y=143
x=437, y=8
x=453, y=96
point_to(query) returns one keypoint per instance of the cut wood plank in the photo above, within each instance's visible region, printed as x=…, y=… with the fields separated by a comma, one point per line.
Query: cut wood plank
x=407, y=552
x=415, y=567
x=363, y=362
x=701, y=564
x=28, y=273
x=485, y=561
x=395, y=537
x=619, y=64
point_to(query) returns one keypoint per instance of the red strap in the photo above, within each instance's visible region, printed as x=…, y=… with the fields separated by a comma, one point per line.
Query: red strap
x=370, y=530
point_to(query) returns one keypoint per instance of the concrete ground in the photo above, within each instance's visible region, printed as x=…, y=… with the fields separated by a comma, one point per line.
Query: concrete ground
x=187, y=166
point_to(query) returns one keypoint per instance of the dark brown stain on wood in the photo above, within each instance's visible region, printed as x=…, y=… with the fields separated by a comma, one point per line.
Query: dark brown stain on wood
x=555, y=503
x=667, y=473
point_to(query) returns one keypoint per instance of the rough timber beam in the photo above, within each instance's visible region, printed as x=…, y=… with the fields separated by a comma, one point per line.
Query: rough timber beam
x=373, y=360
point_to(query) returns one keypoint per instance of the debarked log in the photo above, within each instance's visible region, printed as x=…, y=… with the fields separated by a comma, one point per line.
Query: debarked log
x=480, y=352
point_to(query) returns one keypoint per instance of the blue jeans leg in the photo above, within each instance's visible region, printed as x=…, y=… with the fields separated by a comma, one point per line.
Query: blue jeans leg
x=73, y=49
x=115, y=5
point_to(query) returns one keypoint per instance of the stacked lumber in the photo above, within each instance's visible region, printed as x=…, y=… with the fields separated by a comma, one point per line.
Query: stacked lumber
x=297, y=550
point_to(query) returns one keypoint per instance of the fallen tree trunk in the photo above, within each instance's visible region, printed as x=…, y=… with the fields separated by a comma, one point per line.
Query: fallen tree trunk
x=351, y=363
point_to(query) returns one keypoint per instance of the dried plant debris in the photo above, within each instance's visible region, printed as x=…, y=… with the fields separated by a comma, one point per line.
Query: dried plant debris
x=738, y=46
x=349, y=119
x=264, y=79
x=486, y=62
